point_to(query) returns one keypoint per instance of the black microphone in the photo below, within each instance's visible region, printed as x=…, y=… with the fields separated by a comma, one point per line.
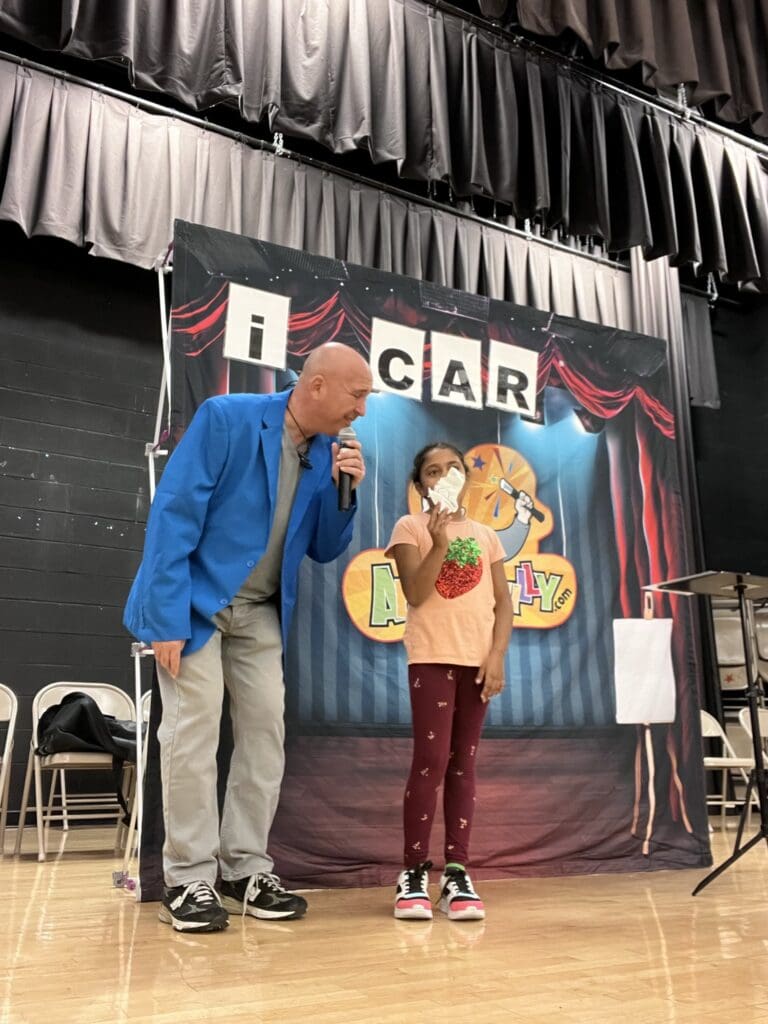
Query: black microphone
x=345, y=480
x=514, y=493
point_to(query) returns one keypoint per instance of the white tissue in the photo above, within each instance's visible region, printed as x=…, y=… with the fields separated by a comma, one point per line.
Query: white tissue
x=447, y=490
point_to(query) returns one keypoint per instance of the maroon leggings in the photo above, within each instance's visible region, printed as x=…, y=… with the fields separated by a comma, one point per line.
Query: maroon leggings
x=447, y=720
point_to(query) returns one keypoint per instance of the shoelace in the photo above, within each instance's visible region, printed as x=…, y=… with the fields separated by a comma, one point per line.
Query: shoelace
x=272, y=882
x=202, y=894
x=458, y=884
x=414, y=878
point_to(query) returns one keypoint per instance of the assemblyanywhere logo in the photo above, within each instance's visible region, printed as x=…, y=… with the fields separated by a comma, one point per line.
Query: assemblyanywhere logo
x=542, y=597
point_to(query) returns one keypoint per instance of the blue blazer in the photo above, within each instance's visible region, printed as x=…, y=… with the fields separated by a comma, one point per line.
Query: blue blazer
x=212, y=514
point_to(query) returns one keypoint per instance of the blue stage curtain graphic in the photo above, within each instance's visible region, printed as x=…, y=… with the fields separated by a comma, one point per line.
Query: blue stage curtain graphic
x=562, y=788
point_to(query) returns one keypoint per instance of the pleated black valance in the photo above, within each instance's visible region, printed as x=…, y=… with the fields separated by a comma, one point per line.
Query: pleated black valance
x=718, y=50
x=447, y=101
x=99, y=172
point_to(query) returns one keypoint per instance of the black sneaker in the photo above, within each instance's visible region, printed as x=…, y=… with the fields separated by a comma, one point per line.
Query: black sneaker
x=262, y=896
x=193, y=908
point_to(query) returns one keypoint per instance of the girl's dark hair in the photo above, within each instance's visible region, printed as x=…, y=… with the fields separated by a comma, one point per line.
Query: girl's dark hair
x=419, y=457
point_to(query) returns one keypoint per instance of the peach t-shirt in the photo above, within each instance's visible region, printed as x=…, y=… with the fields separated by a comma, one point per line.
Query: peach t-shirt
x=454, y=625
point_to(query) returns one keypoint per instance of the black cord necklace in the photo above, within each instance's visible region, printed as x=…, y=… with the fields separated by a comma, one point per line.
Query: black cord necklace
x=302, y=454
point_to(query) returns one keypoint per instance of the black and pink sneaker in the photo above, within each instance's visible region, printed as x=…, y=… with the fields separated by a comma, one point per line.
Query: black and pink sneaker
x=458, y=898
x=411, y=895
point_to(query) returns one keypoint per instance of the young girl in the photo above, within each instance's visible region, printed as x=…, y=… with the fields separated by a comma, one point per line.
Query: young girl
x=458, y=627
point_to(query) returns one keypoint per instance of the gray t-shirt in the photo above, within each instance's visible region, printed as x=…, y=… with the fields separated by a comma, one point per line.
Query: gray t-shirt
x=264, y=581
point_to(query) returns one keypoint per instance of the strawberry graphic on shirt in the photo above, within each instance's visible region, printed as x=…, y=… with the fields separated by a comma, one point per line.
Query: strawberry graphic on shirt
x=461, y=569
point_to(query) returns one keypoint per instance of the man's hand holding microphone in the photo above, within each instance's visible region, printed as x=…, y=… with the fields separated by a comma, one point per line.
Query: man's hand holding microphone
x=348, y=467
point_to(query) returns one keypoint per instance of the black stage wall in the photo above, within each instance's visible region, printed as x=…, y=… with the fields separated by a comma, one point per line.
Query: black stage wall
x=80, y=364
x=731, y=444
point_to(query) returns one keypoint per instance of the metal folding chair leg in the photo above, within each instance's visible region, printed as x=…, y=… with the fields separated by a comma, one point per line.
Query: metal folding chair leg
x=4, y=811
x=40, y=816
x=24, y=802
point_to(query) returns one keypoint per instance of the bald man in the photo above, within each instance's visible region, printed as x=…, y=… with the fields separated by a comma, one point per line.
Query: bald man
x=249, y=491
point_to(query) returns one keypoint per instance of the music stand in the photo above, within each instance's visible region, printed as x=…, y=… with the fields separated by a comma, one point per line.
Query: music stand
x=747, y=588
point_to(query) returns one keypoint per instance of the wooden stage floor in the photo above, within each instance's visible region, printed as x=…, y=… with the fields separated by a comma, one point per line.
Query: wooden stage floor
x=588, y=949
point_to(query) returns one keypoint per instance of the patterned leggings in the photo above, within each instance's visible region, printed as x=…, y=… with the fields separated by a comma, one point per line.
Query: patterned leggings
x=448, y=717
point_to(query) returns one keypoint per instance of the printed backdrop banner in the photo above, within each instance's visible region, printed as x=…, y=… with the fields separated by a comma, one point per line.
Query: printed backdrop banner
x=576, y=415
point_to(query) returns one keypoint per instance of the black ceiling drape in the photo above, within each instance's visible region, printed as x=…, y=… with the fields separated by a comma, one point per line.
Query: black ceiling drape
x=447, y=101
x=717, y=48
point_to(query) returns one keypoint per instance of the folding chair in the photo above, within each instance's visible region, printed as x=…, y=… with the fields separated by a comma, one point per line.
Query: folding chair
x=730, y=650
x=9, y=707
x=726, y=762
x=761, y=640
x=746, y=724
x=88, y=807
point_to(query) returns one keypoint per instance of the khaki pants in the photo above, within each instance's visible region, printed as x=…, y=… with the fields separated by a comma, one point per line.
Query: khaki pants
x=245, y=655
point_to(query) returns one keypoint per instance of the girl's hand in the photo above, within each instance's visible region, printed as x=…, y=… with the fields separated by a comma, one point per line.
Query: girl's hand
x=438, y=519
x=491, y=674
